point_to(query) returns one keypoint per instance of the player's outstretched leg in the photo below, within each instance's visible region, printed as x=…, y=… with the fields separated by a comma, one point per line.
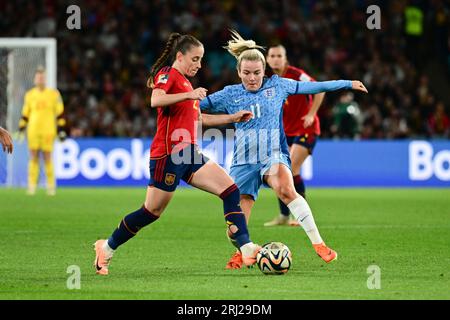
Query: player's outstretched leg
x=302, y=212
x=155, y=202
x=283, y=218
x=237, y=226
x=281, y=182
x=223, y=186
x=128, y=228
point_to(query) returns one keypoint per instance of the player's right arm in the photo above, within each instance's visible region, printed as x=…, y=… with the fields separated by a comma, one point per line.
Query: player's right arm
x=162, y=99
x=161, y=93
x=25, y=113
x=217, y=103
x=213, y=120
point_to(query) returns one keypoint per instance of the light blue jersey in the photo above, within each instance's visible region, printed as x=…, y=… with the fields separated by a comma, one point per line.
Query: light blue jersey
x=262, y=138
x=261, y=143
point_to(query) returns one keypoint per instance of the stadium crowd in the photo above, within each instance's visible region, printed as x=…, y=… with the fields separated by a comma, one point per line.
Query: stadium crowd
x=103, y=68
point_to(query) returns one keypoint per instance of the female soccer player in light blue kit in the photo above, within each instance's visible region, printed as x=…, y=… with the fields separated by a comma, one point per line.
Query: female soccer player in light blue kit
x=261, y=154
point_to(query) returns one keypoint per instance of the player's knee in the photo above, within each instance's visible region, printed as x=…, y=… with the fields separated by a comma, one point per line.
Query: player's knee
x=156, y=210
x=286, y=193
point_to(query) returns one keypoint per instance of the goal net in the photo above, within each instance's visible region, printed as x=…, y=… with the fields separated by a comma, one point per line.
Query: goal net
x=19, y=58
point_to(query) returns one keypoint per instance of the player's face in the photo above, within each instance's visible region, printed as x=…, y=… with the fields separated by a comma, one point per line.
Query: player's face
x=39, y=79
x=251, y=74
x=276, y=58
x=191, y=61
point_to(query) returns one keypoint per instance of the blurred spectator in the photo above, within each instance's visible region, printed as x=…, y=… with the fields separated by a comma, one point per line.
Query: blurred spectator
x=439, y=123
x=347, y=118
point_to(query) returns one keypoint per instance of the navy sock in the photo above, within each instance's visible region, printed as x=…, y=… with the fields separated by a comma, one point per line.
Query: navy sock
x=234, y=217
x=284, y=210
x=130, y=225
x=300, y=188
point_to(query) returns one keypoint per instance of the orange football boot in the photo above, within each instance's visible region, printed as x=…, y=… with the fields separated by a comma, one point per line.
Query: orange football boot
x=325, y=252
x=102, y=258
x=235, y=261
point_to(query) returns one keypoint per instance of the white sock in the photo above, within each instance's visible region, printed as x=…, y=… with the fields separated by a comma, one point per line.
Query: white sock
x=248, y=249
x=107, y=248
x=302, y=212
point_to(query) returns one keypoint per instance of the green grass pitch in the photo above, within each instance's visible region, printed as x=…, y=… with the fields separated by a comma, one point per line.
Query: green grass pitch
x=405, y=232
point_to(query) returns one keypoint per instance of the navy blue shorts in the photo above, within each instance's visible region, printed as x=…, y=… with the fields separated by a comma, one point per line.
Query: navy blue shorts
x=307, y=140
x=165, y=173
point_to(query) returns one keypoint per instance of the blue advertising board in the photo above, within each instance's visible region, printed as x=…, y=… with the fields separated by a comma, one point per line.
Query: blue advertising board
x=124, y=162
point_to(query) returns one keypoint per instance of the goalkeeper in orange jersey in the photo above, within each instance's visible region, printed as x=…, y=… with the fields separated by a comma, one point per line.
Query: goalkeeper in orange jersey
x=42, y=116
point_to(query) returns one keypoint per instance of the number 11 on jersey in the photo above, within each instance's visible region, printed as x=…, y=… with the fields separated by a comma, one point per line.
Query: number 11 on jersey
x=256, y=110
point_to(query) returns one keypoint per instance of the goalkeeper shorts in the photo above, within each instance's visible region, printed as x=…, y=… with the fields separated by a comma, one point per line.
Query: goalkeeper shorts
x=42, y=142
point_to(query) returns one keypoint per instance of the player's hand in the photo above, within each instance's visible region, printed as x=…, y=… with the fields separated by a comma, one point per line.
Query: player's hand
x=6, y=141
x=359, y=86
x=242, y=116
x=198, y=94
x=307, y=120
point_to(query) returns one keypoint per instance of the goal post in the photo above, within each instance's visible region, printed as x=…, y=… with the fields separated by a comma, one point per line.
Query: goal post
x=19, y=59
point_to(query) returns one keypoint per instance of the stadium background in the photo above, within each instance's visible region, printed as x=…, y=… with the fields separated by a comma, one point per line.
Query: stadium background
x=102, y=71
x=102, y=68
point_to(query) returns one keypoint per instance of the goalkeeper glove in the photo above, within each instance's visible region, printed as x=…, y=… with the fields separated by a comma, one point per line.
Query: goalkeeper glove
x=20, y=135
x=62, y=135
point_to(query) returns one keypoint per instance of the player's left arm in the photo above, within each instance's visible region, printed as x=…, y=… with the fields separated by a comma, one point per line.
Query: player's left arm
x=60, y=118
x=301, y=87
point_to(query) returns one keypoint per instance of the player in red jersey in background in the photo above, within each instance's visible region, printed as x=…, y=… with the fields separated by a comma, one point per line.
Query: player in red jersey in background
x=301, y=125
x=174, y=153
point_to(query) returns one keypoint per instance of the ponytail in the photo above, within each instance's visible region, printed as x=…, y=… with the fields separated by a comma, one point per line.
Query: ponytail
x=162, y=58
x=176, y=43
x=243, y=49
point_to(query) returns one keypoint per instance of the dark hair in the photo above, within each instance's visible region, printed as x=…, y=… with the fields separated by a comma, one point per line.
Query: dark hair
x=277, y=45
x=175, y=43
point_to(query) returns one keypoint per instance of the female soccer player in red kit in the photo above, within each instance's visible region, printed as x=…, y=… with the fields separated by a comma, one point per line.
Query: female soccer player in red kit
x=301, y=125
x=174, y=153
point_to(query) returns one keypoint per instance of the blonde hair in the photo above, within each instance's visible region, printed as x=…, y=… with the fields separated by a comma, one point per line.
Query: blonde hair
x=40, y=69
x=243, y=49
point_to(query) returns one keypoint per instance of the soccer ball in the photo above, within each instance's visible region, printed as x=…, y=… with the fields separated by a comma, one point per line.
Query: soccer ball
x=274, y=258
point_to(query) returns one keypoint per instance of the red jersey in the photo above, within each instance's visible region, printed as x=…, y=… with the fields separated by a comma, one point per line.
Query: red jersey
x=297, y=106
x=177, y=123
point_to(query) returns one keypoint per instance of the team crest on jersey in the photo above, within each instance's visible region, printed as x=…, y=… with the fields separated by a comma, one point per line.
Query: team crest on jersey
x=170, y=179
x=163, y=78
x=269, y=93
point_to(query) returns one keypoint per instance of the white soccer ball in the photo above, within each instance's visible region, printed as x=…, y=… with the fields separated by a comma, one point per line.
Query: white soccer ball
x=274, y=258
